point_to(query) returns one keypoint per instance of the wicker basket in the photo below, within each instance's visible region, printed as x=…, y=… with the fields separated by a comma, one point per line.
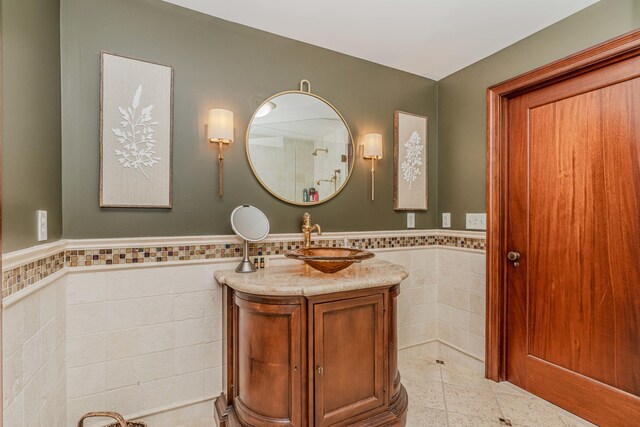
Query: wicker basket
x=121, y=422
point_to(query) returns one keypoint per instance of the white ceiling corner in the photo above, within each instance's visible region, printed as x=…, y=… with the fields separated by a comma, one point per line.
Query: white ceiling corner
x=430, y=38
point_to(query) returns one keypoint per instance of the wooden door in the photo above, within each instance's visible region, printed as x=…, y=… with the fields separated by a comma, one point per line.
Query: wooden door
x=573, y=215
x=349, y=355
x=267, y=361
x=1, y=341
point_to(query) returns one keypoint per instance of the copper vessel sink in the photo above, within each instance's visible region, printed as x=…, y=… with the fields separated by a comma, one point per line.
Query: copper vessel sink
x=329, y=260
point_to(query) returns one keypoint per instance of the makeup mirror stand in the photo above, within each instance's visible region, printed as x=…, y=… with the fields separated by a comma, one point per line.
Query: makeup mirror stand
x=245, y=266
x=251, y=225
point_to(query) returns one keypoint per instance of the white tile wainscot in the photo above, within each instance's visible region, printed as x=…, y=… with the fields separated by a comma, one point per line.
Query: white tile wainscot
x=417, y=302
x=33, y=332
x=461, y=306
x=146, y=340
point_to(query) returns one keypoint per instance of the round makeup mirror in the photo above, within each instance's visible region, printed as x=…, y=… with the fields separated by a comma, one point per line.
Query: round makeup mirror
x=300, y=147
x=252, y=225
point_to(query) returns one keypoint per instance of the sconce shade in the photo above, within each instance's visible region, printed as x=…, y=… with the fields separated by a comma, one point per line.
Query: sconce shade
x=220, y=125
x=372, y=150
x=372, y=146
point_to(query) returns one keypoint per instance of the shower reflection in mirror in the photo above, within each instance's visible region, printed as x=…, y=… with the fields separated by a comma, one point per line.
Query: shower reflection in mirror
x=301, y=148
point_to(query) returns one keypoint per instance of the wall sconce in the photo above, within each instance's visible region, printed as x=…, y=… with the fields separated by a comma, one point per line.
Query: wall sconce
x=220, y=132
x=372, y=150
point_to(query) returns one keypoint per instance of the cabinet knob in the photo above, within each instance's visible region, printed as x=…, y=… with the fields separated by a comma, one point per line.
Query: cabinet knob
x=320, y=369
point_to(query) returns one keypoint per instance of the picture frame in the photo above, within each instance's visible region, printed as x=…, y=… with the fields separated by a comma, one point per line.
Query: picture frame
x=410, y=162
x=136, y=133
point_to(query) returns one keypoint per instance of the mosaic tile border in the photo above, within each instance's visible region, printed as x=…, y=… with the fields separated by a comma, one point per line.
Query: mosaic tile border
x=20, y=277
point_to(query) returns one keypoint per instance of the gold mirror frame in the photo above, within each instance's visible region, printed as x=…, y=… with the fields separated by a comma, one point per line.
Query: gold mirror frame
x=351, y=143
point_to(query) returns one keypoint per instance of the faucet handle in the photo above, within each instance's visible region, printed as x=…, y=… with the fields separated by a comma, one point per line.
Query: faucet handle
x=306, y=219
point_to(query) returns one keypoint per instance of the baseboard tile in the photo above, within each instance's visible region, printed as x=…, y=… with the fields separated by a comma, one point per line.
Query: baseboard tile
x=459, y=356
x=172, y=407
x=443, y=350
x=425, y=349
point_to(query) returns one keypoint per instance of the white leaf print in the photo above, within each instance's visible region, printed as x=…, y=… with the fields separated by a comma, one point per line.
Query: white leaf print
x=412, y=159
x=136, y=98
x=137, y=136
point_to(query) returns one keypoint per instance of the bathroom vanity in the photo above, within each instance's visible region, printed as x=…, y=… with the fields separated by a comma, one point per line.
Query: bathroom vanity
x=306, y=348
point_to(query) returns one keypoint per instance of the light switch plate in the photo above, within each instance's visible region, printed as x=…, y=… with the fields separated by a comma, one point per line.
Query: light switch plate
x=446, y=220
x=42, y=225
x=411, y=220
x=476, y=221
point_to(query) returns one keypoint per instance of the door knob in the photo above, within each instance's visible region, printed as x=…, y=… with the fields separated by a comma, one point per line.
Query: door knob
x=514, y=257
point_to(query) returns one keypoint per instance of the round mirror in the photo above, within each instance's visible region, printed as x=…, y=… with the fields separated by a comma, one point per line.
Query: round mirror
x=300, y=148
x=249, y=223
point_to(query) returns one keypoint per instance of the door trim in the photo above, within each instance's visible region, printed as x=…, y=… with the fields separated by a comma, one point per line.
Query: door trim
x=599, y=56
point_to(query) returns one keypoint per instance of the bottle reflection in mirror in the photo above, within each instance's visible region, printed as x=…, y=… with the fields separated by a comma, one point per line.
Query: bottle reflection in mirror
x=314, y=195
x=305, y=196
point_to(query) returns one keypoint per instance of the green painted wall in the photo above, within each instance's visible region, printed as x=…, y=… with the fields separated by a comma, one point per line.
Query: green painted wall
x=462, y=114
x=218, y=63
x=221, y=64
x=31, y=147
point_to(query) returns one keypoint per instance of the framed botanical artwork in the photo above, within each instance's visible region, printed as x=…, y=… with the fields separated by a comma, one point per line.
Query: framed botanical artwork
x=136, y=124
x=410, y=190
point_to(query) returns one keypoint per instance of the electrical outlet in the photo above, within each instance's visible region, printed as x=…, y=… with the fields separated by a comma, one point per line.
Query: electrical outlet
x=411, y=220
x=446, y=220
x=477, y=221
x=42, y=225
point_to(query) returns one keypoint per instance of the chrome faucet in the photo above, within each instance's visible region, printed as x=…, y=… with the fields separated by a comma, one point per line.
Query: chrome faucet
x=307, y=229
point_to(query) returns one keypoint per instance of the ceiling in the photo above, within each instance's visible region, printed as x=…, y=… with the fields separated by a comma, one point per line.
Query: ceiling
x=430, y=38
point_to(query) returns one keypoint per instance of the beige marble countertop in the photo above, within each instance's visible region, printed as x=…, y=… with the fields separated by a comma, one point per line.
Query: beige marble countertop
x=300, y=279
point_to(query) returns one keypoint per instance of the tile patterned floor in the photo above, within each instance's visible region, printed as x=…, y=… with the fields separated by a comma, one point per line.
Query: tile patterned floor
x=450, y=395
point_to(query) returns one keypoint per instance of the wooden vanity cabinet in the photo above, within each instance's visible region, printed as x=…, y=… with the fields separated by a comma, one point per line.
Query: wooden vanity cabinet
x=328, y=360
x=266, y=360
x=349, y=357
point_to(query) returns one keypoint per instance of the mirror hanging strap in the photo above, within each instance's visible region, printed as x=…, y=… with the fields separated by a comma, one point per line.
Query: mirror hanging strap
x=302, y=83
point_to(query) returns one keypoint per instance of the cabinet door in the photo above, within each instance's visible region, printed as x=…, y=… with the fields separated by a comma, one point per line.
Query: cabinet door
x=349, y=357
x=267, y=363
